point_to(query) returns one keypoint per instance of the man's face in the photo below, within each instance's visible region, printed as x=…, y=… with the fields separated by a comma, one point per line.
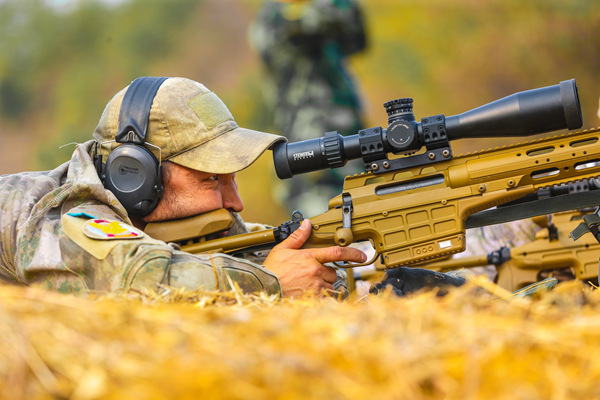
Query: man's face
x=188, y=192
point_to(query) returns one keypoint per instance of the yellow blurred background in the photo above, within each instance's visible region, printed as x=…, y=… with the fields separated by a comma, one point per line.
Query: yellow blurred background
x=62, y=60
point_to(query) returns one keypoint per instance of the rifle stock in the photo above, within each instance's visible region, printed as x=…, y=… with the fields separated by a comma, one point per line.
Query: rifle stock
x=188, y=231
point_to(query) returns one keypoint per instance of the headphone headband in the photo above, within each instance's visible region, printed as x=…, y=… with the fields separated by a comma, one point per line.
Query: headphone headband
x=132, y=173
x=135, y=109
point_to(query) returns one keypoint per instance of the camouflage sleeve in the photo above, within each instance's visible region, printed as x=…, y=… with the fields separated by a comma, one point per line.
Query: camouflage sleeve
x=225, y=271
x=219, y=272
x=483, y=240
x=142, y=263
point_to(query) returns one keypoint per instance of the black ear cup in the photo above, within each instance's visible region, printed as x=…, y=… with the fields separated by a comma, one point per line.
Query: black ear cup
x=132, y=174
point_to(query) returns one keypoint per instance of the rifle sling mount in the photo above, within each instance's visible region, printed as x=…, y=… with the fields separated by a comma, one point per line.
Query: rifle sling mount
x=591, y=224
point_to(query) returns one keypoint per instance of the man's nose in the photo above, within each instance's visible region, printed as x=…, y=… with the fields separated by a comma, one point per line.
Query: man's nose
x=232, y=200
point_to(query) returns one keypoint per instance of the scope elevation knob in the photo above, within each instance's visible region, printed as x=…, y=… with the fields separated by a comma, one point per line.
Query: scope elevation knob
x=401, y=133
x=399, y=109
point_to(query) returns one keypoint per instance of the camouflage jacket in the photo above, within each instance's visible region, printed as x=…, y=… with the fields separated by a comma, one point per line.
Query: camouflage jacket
x=47, y=221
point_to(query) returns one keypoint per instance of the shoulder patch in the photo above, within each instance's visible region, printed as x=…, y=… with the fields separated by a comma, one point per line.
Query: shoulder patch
x=105, y=229
x=73, y=227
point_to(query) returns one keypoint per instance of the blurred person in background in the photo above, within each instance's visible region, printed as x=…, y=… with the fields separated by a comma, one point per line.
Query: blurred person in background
x=304, y=46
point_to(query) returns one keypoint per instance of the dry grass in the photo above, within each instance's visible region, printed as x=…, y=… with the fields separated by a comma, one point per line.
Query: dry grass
x=192, y=345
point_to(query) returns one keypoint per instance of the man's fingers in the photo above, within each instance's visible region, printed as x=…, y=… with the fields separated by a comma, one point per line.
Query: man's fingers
x=329, y=275
x=323, y=255
x=336, y=253
x=298, y=237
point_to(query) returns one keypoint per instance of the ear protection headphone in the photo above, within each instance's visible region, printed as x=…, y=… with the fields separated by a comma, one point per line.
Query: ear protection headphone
x=132, y=173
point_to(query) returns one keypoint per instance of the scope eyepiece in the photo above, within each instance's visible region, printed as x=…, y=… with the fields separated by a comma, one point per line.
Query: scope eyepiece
x=525, y=113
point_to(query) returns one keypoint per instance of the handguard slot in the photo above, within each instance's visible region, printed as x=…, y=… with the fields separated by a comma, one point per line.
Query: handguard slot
x=587, y=164
x=545, y=173
x=539, y=152
x=586, y=142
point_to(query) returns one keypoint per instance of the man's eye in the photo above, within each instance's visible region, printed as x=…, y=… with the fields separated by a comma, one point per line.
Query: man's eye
x=214, y=178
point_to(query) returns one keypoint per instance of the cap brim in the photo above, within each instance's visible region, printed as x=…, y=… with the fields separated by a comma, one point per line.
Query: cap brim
x=228, y=153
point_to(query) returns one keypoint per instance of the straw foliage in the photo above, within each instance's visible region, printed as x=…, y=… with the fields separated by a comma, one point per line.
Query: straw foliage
x=209, y=345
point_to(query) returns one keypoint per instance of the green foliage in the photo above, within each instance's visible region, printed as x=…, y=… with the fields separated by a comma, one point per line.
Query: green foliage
x=61, y=67
x=451, y=56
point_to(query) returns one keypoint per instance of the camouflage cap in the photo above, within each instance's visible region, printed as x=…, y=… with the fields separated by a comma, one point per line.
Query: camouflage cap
x=192, y=127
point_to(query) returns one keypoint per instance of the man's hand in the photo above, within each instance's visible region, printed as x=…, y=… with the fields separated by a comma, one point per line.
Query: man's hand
x=301, y=270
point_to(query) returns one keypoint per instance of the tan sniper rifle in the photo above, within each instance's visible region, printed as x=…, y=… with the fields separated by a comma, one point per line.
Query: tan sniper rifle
x=416, y=204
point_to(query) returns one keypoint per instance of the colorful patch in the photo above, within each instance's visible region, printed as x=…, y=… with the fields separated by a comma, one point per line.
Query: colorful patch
x=104, y=229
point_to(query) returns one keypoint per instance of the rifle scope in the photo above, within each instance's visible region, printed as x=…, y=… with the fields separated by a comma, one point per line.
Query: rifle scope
x=521, y=114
